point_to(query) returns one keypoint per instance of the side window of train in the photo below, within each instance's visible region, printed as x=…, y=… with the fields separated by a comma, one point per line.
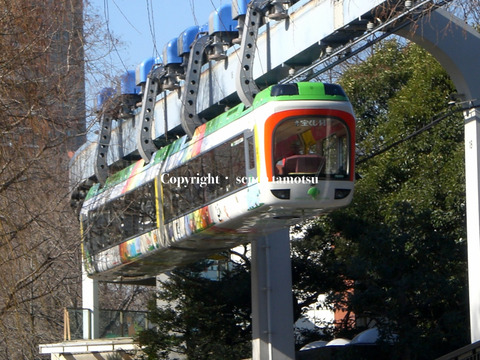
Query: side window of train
x=125, y=217
x=214, y=175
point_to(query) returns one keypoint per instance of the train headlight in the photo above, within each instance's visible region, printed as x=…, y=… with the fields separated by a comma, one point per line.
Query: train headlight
x=342, y=193
x=283, y=194
x=313, y=192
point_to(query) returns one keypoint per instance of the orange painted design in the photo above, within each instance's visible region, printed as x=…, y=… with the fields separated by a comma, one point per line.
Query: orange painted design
x=276, y=118
x=132, y=180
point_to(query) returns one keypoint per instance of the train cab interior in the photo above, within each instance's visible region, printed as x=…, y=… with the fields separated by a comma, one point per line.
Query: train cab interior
x=315, y=146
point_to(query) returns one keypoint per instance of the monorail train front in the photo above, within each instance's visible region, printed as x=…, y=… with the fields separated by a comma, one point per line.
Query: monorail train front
x=305, y=153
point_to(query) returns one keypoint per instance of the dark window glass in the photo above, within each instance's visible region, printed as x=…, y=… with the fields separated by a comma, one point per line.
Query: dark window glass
x=204, y=178
x=130, y=215
x=251, y=153
x=312, y=146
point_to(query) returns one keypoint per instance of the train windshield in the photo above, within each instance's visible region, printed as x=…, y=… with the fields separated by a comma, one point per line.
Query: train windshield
x=311, y=146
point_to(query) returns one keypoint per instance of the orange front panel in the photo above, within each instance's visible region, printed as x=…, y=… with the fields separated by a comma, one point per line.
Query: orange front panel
x=276, y=118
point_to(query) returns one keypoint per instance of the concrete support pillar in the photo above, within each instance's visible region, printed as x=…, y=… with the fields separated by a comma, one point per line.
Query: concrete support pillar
x=272, y=302
x=91, y=323
x=472, y=176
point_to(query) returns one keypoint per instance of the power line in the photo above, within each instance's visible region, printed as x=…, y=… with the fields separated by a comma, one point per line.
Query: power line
x=435, y=121
x=126, y=18
x=106, y=14
x=151, y=25
x=343, y=52
x=192, y=9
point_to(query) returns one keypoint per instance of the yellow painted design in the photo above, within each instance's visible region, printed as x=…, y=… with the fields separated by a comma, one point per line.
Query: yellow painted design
x=257, y=152
x=158, y=201
x=308, y=139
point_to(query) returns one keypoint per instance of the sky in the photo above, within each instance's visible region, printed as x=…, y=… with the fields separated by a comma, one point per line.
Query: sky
x=146, y=25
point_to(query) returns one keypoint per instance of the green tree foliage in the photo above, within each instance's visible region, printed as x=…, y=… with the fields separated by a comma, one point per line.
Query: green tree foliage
x=201, y=318
x=402, y=241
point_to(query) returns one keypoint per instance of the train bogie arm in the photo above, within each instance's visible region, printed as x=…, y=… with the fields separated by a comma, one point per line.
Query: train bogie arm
x=256, y=10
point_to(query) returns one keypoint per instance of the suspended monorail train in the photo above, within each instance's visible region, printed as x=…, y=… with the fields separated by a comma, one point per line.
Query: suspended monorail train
x=288, y=157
